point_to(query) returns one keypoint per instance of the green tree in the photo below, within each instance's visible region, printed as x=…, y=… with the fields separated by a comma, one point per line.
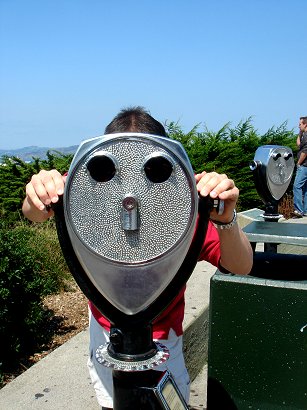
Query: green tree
x=230, y=150
x=16, y=173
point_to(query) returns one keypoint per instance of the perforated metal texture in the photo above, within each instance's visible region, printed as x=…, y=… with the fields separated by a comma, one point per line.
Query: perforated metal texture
x=95, y=208
x=280, y=170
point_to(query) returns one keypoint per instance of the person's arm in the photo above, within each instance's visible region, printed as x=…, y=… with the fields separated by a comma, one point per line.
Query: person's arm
x=236, y=251
x=302, y=158
x=43, y=190
x=302, y=154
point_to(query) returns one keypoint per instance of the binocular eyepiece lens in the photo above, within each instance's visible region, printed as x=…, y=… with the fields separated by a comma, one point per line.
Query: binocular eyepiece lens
x=102, y=168
x=158, y=169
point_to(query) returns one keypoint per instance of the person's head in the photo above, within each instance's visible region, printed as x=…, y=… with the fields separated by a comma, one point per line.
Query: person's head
x=135, y=119
x=303, y=124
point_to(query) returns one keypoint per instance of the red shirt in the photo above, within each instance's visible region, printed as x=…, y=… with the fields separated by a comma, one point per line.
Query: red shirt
x=172, y=316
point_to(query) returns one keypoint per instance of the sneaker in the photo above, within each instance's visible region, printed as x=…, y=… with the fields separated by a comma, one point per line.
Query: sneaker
x=297, y=214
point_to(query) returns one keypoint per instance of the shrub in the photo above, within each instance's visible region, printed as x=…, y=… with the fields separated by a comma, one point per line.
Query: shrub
x=16, y=173
x=31, y=266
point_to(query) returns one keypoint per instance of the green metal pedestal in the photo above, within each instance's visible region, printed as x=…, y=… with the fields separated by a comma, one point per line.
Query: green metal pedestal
x=258, y=336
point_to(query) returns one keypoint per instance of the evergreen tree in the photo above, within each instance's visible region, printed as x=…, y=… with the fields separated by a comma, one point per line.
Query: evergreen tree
x=16, y=173
x=230, y=151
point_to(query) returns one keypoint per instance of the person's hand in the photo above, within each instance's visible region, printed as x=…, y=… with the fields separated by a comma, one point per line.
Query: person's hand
x=43, y=190
x=218, y=186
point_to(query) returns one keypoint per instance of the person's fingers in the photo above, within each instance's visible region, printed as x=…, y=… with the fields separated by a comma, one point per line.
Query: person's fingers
x=45, y=188
x=34, y=198
x=59, y=181
x=213, y=184
x=199, y=176
x=230, y=194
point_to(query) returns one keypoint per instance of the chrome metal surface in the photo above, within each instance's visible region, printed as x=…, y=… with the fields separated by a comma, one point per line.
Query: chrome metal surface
x=103, y=357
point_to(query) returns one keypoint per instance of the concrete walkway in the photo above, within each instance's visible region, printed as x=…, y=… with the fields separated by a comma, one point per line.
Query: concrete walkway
x=61, y=381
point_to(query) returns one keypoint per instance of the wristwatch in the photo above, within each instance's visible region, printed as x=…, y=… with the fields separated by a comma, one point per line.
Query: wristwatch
x=228, y=225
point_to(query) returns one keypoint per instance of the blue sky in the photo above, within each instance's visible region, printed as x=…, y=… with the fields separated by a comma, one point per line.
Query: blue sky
x=68, y=66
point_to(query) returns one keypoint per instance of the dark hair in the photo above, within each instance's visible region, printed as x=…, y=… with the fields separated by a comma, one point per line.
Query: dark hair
x=135, y=119
x=304, y=120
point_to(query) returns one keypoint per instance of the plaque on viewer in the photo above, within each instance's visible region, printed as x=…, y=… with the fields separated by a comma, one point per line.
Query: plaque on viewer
x=169, y=394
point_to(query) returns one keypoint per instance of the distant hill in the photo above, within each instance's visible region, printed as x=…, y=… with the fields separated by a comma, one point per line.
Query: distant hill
x=27, y=153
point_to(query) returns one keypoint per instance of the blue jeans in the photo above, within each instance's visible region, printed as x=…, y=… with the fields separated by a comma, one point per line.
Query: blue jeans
x=300, y=190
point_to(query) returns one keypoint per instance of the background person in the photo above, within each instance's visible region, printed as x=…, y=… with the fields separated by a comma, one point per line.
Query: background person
x=225, y=246
x=300, y=182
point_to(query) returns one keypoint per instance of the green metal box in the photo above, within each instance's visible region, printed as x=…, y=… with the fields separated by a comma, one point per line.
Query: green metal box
x=257, y=356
